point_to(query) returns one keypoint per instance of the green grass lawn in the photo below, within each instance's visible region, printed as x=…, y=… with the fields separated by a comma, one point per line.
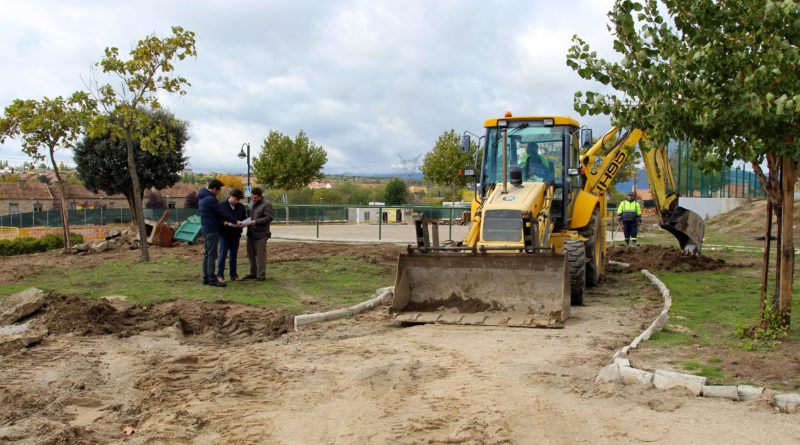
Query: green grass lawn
x=294, y=286
x=713, y=305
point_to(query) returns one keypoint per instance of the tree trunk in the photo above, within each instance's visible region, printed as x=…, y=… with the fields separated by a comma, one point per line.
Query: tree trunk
x=132, y=207
x=788, y=178
x=765, y=265
x=63, y=200
x=137, y=199
x=776, y=294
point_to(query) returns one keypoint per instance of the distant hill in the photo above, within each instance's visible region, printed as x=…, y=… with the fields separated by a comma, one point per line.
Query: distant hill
x=373, y=178
x=417, y=175
x=640, y=182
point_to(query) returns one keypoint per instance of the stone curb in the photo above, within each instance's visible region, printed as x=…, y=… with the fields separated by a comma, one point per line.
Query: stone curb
x=621, y=372
x=380, y=297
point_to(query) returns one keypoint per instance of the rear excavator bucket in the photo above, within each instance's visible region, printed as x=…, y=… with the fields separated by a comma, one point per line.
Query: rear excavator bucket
x=688, y=227
x=495, y=289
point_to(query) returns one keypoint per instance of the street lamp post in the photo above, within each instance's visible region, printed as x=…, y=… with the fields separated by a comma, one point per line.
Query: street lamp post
x=243, y=155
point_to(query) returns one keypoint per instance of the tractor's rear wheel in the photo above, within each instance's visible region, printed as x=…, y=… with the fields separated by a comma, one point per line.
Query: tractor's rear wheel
x=594, y=251
x=575, y=250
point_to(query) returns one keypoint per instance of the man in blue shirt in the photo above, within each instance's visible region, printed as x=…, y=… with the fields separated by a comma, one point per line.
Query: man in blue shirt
x=212, y=219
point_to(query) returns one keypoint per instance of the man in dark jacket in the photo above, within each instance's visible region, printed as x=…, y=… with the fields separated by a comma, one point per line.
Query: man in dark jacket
x=212, y=219
x=229, y=236
x=257, y=235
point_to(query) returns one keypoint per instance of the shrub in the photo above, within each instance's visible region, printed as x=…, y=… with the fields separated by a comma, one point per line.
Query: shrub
x=25, y=245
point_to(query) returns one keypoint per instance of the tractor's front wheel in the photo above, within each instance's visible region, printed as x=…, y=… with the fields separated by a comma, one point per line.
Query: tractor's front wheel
x=575, y=250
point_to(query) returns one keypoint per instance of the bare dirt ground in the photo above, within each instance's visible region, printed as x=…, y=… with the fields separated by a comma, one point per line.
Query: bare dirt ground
x=659, y=258
x=190, y=372
x=749, y=222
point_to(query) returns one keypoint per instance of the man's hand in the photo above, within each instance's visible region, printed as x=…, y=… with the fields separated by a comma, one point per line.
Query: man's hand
x=238, y=224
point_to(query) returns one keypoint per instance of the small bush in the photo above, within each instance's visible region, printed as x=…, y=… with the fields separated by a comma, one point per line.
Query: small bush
x=25, y=245
x=766, y=333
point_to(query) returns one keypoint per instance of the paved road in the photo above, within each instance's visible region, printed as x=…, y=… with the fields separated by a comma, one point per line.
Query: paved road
x=390, y=233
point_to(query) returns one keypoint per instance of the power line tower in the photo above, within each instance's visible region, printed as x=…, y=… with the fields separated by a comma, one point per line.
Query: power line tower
x=408, y=166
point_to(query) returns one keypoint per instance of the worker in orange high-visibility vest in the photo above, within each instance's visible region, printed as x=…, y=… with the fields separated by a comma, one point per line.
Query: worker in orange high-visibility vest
x=629, y=214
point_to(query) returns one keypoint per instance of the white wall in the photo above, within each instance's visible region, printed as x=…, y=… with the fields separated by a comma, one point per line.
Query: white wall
x=711, y=207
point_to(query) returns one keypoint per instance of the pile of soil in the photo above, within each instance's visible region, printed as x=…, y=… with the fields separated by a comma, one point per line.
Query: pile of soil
x=748, y=221
x=222, y=321
x=655, y=258
x=65, y=314
x=226, y=321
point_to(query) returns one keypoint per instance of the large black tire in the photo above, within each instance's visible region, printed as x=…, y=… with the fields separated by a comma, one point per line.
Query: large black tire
x=595, y=258
x=575, y=250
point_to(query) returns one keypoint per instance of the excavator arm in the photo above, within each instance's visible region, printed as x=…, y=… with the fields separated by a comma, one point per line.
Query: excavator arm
x=600, y=169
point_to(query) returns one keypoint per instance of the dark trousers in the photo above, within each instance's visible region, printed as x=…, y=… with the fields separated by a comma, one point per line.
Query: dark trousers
x=210, y=256
x=631, y=229
x=257, y=254
x=227, y=246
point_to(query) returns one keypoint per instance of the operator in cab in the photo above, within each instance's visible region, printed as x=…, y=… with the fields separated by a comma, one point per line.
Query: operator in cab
x=534, y=165
x=629, y=214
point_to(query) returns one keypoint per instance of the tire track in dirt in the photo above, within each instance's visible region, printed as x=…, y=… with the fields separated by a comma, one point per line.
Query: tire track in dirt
x=362, y=380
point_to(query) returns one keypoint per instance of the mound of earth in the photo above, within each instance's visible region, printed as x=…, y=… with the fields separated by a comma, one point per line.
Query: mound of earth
x=748, y=221
x=221, y=321
x=662, y=258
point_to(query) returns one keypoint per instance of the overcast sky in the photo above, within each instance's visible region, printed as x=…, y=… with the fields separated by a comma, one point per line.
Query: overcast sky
x=367, y=80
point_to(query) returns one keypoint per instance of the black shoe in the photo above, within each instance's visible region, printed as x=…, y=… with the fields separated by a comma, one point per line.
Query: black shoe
x=217, y=284
x=249, y=277
x=205, y=282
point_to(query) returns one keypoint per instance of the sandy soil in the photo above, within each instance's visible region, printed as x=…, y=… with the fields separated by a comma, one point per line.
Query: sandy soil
x=361, y=380
x=194, y=372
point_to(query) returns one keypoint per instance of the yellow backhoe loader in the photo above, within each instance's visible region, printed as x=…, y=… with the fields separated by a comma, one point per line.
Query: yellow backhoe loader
x=538, y=227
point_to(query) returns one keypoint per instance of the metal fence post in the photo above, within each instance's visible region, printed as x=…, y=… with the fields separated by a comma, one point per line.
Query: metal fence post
x=702, y=186
x=317, y=212
x=84, y=217
x=380, y=222
x=451, y=223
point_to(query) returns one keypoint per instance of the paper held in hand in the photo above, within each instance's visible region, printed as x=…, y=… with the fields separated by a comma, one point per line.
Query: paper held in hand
x=247, y=222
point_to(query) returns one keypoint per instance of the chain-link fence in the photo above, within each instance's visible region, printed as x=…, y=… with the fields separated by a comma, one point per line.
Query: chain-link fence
x=738, y=181
x=282, y=214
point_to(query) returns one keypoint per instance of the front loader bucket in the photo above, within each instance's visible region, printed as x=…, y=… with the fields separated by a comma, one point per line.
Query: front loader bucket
x=525, y=290
x=688, y=227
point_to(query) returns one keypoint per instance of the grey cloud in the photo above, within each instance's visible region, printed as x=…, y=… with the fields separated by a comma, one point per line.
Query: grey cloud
x=367, y=80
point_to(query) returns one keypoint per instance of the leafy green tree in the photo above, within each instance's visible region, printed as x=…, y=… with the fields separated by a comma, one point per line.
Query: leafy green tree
x=722, y=76
x=137, y=83
x=102, y=160
x=360, y=195
x=49, y=124
x=441, y=165
x=288, y=164
x=395, y=192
